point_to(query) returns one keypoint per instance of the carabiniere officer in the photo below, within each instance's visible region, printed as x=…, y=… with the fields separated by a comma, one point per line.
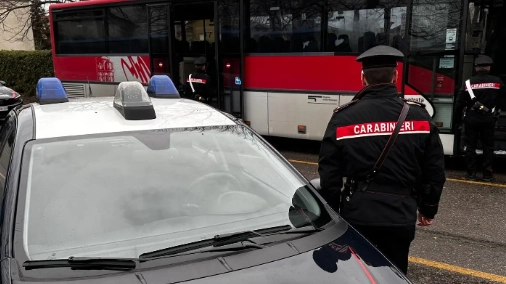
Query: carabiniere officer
x=198, y=84
x=482, y=100
x=384, y=186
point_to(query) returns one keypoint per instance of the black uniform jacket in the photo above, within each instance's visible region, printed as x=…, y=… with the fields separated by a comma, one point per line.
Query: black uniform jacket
x=489, y=90
x=202, y=84
x=354, y=140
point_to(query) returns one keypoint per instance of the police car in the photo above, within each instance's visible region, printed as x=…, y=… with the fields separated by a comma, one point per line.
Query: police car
x=147, y=187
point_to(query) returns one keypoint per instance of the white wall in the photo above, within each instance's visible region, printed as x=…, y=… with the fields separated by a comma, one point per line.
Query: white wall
x=15, y=23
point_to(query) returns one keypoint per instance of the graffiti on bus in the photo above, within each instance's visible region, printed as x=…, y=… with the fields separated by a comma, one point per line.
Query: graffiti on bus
x=135, y=68
x=122, y=68
x=105, y=69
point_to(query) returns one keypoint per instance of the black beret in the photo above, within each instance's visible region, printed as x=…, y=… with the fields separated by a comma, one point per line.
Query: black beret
x=200, y=61
x=483, y=60
x=380, y=56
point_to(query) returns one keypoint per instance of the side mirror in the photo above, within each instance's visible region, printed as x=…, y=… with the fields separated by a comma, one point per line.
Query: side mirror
x=316, y=183
x=2, y=82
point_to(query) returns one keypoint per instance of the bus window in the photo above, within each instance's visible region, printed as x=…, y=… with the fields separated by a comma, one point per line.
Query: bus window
x=159, y=29
x=121, y=30
x=128, y=29
x=357, y=27
x=229, y=26
x=80, y=33
x=284, y=26
x=486, y=34
x=434, y=25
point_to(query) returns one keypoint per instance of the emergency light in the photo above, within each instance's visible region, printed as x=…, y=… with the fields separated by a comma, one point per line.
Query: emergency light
x=161, y=86
x=133, y=102
x=50, y=91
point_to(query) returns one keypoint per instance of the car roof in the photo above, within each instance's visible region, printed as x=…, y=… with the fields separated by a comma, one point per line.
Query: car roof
x=82, y=116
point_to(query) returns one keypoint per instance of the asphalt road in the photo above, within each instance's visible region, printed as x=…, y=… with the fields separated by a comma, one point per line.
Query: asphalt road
x=468, y=236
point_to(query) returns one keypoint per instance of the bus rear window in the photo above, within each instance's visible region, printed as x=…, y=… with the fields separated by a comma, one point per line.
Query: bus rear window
x=80, y=36
x=115, y=30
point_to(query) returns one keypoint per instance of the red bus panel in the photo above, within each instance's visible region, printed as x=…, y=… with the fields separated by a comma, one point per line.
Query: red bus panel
x=326, y=74
x=107, y=69
x=294, y=73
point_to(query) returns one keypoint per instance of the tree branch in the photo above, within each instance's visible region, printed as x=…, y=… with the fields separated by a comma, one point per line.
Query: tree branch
x=19, y=18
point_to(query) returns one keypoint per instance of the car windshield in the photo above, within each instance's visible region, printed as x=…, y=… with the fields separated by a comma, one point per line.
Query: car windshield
x=124, y=194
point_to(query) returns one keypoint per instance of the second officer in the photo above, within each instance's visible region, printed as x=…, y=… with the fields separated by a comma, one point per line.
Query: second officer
x=198, y=84
x=480, y=95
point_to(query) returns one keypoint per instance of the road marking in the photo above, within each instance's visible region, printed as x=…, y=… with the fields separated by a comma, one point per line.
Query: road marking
x=303, y=162
x=477, y=182
x=447, y=179
x=457, y=269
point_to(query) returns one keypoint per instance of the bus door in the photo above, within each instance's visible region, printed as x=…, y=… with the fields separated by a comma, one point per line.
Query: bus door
x=194, y=37
x=486, y=34
x=230, y=56
x=432, y=74
x=432, y=58
x=159, y=29
x=200, y=30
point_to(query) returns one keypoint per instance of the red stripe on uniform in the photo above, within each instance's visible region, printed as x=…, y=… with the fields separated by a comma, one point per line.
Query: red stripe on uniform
x=381, y=128
x=202, y=81
x=485, y=86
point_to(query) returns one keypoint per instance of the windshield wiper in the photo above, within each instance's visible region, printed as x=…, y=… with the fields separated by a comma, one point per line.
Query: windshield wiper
x=227, y=239
x=302, y=230
x=251, y=244
x=84, y=263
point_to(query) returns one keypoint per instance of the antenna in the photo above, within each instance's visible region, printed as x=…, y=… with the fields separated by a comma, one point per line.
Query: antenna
x=89, y=86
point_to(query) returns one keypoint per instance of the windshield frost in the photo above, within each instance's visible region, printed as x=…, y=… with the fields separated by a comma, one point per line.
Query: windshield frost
x=121, y=196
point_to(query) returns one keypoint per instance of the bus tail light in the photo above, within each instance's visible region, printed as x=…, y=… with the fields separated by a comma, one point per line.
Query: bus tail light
x=227, y=65
x=301, y=129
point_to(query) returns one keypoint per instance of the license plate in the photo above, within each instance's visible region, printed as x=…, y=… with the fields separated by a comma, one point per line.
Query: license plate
x=4, y=108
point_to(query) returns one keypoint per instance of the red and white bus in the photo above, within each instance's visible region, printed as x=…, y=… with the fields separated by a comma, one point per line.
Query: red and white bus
x=281, y=65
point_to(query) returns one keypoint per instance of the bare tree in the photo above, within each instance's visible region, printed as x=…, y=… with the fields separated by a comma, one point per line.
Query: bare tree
x=27, y=14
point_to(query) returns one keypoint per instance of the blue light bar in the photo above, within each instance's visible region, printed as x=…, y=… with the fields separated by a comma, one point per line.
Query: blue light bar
x=50, y=91
x=161, y=86
x=132, y=101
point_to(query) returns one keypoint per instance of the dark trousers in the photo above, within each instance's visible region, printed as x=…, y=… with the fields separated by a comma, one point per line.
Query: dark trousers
x=479, y=126
x=393, y=242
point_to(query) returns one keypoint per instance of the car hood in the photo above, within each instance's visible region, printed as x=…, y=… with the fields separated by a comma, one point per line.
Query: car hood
x=336, y=255
x=347, y=259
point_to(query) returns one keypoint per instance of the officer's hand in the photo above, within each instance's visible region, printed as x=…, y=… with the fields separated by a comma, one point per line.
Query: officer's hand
x=424, y=221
